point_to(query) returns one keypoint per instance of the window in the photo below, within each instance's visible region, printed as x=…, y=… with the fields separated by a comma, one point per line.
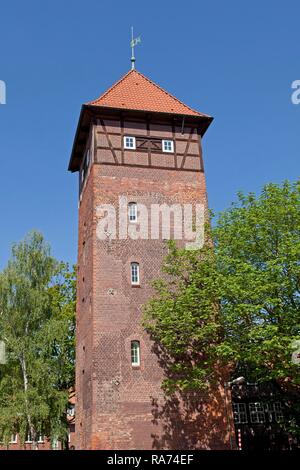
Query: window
x=71, y=411
x=239, y=413
x=135, y=353
x=54, y=444
x=132, y=211
x=168, y=146
x=85, y=165
x=275, y=412
x=29, y=438
x=41, y=439
x=257, y=414
x=87, y=158
x=129, y=142
x=14, y=439
x=277, y=407
x=135, y=273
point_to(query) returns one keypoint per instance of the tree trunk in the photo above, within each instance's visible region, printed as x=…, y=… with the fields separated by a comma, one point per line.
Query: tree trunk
x=31, y=428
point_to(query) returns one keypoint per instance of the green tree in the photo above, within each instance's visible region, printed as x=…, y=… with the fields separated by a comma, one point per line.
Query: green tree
x=235, y=302
x=37, y=296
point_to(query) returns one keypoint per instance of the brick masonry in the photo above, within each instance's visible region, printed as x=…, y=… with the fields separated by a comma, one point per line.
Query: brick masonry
x=120, y=406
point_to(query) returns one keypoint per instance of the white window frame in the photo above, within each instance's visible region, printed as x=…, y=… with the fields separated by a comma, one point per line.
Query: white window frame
x=71, y=410
x=41, y=439
x=240, y=413
x=135, y=351
x=257, y=413
x=275, y=412
x=127, y=146
x=28, y=439
x=166, y=142
x=135, y=273
x=54, y=444
x=132, y=212
x=14, y=439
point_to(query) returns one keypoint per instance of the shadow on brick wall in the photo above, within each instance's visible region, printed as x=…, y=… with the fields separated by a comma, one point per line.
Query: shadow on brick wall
x=189, y=420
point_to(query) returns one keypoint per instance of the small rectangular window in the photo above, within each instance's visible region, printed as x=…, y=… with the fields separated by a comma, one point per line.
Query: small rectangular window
x=168, y=146
x=14, y=439
x=135, y=274
x=129, y=142
x=41, y=439
x=29, y=438
x=239, y=413
x=132, y=212
x=257, y=414
x=135, y=353
x=54, y=444
x=85, y=165
x=71, y=411
x=275, y=412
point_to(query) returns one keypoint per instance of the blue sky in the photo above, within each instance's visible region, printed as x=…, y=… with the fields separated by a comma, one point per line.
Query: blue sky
x=234, y=60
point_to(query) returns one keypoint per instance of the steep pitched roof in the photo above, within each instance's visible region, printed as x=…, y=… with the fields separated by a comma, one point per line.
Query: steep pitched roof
x=137, y=92
x=133, y=92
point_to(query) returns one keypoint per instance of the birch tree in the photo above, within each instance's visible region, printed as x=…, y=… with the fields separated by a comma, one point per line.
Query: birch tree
x=37, y=298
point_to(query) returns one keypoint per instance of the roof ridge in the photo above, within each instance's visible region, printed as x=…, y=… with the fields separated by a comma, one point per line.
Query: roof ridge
x=169, y=94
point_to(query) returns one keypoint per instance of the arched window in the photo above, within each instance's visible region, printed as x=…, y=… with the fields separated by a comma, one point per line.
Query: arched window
x=135, y=353
x=135, y=273
x=132, y=211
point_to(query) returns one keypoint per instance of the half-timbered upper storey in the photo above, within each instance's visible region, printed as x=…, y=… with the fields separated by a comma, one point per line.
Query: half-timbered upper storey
x=136, y=122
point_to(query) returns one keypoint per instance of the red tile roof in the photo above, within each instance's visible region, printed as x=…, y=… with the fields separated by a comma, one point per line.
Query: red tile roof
x=135, y=91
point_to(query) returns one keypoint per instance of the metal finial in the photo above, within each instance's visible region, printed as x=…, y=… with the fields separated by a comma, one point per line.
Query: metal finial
x=133, y=43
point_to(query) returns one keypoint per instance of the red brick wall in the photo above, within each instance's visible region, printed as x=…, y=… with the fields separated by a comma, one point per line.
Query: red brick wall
x=118, y=406
x=45, y=445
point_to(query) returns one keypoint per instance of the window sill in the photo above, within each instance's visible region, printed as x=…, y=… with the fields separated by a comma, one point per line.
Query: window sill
x=135, y=285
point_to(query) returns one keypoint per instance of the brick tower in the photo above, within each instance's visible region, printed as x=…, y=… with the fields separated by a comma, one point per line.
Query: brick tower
x=136, y=141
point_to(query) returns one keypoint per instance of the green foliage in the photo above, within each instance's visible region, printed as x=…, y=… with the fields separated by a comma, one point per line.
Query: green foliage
x=37, y=305
x=235, y=301
x=184, y=318
x=258, y=255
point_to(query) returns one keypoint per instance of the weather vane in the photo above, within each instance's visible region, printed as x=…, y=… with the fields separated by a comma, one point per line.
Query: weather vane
x=134, y=42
